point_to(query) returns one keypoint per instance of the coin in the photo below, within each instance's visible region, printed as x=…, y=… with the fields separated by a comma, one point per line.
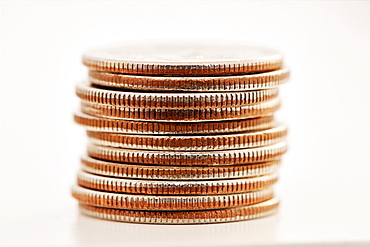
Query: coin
x=199, y=84
x=155, y=187
x=173, y=100
x=184, y=217
x=156, y=202
x=187, y=158
x=113, y=169
x=93, y=123
x=190, y=143
x=208, y=114
x=183, y=59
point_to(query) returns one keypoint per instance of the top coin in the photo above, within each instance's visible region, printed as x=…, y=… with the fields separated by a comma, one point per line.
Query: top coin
x=183, y=59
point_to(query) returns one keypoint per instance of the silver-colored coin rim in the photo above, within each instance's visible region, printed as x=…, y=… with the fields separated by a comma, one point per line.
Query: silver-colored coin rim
x=258, y=81
x=140, y=174
x=118, y=126
x=221, y=142
x=210, y=187
x=161, y=202
x=238, y=156
x=203, y=115
x=165, y=100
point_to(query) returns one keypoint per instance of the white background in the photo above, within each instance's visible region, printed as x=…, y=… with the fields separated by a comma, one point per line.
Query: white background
x=325, y=179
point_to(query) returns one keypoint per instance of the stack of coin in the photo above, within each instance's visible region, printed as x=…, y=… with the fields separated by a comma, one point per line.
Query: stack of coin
x=180, y=133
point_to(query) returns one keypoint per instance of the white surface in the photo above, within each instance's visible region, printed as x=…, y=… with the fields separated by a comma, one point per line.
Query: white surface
x=324, y=183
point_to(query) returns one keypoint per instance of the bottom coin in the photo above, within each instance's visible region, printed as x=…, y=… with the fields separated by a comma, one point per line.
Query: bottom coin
x=184, y=217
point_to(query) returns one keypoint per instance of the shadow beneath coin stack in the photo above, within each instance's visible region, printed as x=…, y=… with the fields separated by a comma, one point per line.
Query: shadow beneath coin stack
x=103, y=232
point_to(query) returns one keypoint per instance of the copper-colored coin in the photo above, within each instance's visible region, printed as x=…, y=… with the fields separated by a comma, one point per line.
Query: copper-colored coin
x=135, y=171
x=199, y=84
x=208, y=114
x=190, y=143
x=145, y=127
x=184, y=217
x=183, y=59
x=182, y=158
x=173, y=100
x=155, y=202
x=155, y=187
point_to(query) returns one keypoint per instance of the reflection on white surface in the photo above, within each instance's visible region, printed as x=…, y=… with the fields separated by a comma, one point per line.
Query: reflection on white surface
x=95, y=231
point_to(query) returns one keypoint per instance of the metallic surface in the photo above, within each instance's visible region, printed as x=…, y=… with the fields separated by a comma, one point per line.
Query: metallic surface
x=93, y=123
x=184, y=217
x=180, y=134
x=186, y=59
x=140, y=171
x=159, y=202
x=165, y=100
x=198, y=84
x=190, y=143
x=182, y=158
x=208, y=114
x=155, y=187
